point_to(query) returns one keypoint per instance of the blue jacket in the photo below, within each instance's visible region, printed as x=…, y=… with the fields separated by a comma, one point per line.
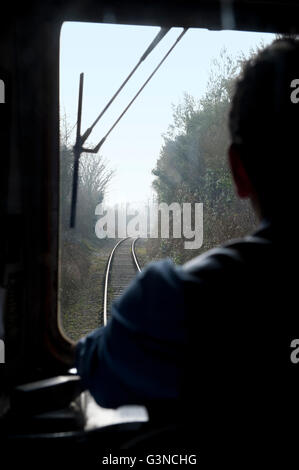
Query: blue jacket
x=137, y=356
x=216, y=332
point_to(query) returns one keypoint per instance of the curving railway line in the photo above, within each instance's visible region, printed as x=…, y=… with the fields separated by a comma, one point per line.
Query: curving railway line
x=122, y=267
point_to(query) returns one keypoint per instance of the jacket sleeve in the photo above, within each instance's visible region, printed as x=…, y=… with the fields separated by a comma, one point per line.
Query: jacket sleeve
x=137, y=357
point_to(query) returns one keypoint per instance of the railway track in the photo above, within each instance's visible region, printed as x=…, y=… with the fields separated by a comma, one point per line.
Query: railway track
x=121, y=268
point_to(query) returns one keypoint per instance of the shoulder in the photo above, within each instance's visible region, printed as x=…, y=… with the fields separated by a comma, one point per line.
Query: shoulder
x=233, y=257
x=160, y=278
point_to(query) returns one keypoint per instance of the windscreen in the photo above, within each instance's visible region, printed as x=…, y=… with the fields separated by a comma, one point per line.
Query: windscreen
x=150, y=143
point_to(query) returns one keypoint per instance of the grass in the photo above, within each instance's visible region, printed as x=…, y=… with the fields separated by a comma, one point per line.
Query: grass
x=82, y=295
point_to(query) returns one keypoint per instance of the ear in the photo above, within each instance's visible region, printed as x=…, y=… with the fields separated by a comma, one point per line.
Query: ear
x=240, y=176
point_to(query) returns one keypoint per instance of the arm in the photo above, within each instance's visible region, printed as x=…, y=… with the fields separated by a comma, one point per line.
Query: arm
x=137, y=357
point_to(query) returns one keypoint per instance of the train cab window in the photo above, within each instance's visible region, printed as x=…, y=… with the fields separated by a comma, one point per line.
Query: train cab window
x=143, y=118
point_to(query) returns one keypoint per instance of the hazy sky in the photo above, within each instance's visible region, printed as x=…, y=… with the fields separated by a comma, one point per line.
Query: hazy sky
x=106, y=54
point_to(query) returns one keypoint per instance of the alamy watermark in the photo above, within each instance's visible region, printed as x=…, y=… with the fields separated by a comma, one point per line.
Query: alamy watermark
x=2, y=352
x=295, y=93
x=152, y=221
x=294, y=356
x=2, y=91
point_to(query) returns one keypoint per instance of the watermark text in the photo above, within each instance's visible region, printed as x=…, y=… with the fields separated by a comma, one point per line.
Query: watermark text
x=174, y=220
x=2, y=352
x=2, y=91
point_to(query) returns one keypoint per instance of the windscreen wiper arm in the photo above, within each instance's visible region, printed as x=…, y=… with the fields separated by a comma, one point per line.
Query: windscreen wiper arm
x=78, y=147
x=98, y=146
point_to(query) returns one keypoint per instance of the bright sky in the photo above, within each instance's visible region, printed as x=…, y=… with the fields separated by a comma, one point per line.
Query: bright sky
x=106, y=54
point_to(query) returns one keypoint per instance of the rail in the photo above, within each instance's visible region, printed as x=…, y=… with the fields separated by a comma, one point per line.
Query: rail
x=108, y=269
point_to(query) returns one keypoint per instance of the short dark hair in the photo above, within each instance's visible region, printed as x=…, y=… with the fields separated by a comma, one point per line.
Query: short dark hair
x=263, y=121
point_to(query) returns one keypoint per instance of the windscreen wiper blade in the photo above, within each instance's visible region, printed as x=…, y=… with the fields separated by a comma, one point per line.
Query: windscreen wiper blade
x=98, y=146
x=153, y=44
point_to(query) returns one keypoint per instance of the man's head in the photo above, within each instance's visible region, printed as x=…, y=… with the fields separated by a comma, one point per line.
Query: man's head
x=264, y=124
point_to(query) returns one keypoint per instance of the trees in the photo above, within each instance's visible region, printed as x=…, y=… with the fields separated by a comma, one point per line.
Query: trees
x=94, y=176
x=79, y=297
x=192, y=166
